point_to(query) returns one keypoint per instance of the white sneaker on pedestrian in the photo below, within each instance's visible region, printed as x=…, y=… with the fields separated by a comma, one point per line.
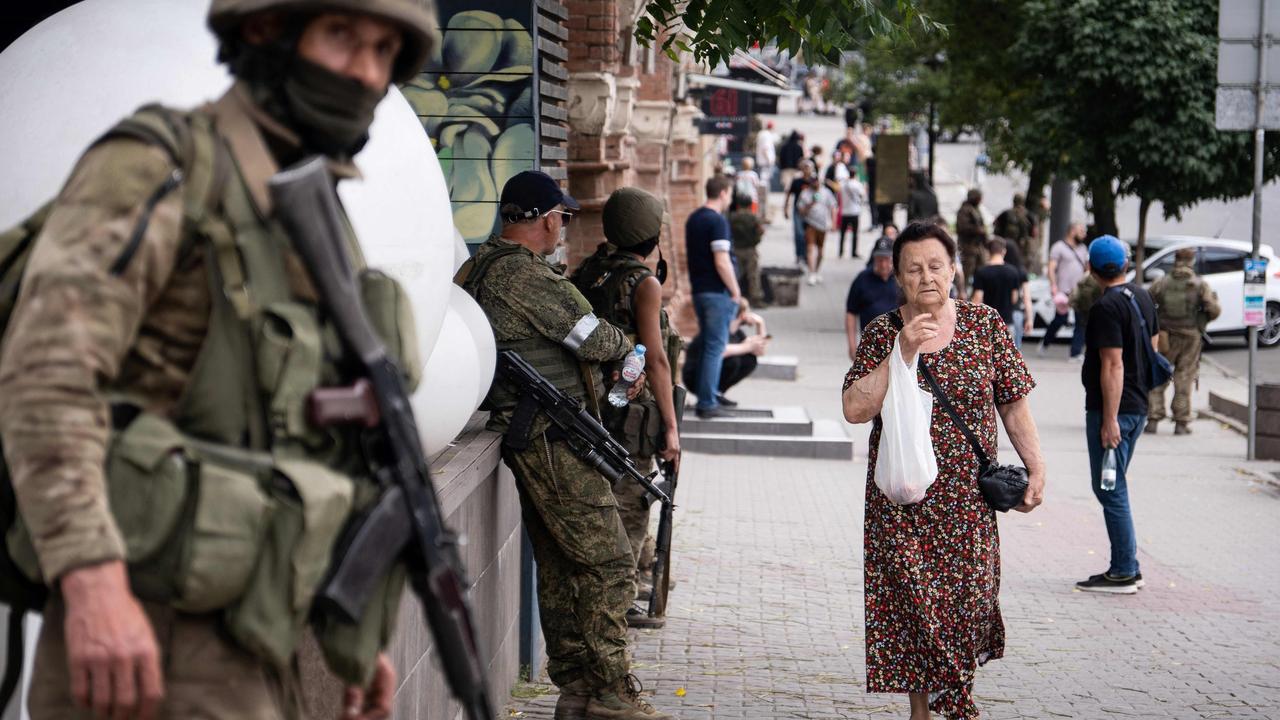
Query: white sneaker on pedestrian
x=819, y=277
x=812, y=279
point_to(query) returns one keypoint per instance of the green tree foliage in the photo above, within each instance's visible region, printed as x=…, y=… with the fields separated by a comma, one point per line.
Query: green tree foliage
x=1124, y=97
x=711, y=30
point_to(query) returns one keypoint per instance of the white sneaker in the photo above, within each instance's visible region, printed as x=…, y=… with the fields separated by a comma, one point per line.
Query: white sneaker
x=812, y=279
x=819, y=278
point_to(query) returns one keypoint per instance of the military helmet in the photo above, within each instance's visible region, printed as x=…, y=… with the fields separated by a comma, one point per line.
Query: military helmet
x=417, y=18
x=632, y=216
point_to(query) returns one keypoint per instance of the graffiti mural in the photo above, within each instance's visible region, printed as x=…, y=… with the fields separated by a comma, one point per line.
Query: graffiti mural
x=476, y=103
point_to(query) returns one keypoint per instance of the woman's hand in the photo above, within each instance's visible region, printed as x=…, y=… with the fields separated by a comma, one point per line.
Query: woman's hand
x=916, y=333
x=1034, y=495
x=756, y=345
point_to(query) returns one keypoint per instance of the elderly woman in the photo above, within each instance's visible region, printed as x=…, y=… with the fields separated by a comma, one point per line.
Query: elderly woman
x=932, y=569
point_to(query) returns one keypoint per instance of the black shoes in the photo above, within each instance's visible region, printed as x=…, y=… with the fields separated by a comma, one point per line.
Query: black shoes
x=726, y=402
x=1181, y=429
x=638, y=618
x=1107, y=583
x=712, y=413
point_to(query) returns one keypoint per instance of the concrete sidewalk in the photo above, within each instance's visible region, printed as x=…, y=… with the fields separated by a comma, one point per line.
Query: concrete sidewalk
x=767, y=621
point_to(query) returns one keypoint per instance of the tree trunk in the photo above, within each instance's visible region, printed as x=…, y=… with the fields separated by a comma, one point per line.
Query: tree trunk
x=1102, y=200
x=1140, y=255
x=1037, y=178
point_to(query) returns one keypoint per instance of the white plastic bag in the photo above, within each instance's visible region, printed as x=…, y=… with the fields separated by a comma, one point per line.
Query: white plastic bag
x=906, y=465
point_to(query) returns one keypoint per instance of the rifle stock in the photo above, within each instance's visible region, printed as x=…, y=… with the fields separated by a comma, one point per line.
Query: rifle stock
x=406, y=523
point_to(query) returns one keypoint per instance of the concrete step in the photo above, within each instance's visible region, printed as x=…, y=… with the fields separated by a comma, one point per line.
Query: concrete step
x=829, y=441
x=777, y=367
x=788, y=421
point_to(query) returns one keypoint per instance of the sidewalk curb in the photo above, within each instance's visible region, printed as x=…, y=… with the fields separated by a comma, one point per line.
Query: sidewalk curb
x=1226, y=371
x=1230, y=423
x=1266, y=478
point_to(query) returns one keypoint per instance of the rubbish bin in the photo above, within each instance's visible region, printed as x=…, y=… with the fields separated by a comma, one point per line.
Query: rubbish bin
x=781, y=285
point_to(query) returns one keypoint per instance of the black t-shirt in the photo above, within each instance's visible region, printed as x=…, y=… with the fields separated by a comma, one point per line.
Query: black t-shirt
x=797, y=187
x=1112, y=324
x=998, y=284
x=707, y=232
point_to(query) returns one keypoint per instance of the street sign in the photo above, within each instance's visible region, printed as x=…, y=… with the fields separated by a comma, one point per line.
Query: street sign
x=1255, y=292
x=1238, y=65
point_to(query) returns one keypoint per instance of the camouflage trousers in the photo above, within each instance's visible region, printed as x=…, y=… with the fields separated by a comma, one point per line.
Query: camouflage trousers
x=586, y=569
x=749, y=266
x=1183, y=350
x=206, y=677
x=634, y=509
x=973, y=255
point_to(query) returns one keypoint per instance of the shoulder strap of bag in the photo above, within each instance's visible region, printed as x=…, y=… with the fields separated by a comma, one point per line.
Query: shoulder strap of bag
x=1142, y=319
x=984, y=460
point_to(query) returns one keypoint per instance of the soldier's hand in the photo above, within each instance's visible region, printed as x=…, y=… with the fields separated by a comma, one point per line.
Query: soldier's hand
x=112, y=655
x=373, y=703
x=671, y=451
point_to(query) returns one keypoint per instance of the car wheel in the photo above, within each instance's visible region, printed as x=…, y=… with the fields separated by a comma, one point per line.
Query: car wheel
x=1269, y=333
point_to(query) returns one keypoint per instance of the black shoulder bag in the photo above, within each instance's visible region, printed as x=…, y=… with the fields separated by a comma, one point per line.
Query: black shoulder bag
x=1002, y=486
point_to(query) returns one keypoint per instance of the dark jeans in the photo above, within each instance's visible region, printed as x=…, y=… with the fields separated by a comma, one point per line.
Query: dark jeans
x=797, y=225
x=1115, y=503
x=848, y=222
x=1077, y=338
x=1077, y=333
x=715, y=311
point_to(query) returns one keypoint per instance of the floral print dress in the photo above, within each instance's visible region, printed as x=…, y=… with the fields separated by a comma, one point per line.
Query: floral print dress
x=932, y=569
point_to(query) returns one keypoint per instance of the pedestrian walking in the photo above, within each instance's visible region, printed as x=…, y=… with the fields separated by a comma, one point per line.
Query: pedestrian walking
x=932, y=569
x=747, y=230
x=1068, y=264
x=747, y=182
x=872, y=293
x=625, y=292
x=1186, y=305
x=1119, y=343
x=1003, y=287
x=1016, y=226
x=1082, y=299
x=740, y=357
x=853, y=197
x=713, y=280
x=922, y=203
x=791, y=209
x=971, y=233
x=766, y=160
x=789, y=158
x=131, y=338
x=819, y=206
x=586, y=568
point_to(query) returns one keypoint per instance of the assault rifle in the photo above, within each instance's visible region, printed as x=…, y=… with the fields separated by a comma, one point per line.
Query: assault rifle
x=662, y=544
x=406, y=522
x=586, y=437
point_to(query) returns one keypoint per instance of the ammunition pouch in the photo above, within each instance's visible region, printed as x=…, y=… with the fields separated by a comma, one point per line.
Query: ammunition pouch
x=637, y=427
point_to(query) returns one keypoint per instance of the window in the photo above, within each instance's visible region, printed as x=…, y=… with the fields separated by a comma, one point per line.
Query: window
x=1218, y=260
x=1164, y=264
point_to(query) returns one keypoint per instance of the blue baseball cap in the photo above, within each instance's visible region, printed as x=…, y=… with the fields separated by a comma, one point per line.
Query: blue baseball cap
x=534, y=193
x=1108, y=256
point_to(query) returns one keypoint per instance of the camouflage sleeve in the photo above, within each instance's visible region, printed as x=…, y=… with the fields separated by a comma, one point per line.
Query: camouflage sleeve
x=1209, y=301
x=77, y=316
x=559, y=312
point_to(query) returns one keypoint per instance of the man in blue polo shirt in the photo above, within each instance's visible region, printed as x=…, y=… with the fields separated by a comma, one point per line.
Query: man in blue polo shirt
x=714, y=279
x=873, y=293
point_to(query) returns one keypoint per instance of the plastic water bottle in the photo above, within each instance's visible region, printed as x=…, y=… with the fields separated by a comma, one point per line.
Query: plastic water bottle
x=1109, y=470
x=632, y=367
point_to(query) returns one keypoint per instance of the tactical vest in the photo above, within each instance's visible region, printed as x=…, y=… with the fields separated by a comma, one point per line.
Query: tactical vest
x=555, y=362
x=1179, y=302
x=609, y=282
x=234, y=502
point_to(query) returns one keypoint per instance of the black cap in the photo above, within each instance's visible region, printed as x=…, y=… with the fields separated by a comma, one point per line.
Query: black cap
x=535, y=193
x=883, y=248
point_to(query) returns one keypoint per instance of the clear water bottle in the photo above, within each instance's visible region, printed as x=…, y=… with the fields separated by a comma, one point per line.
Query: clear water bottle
x=632, y=367
x=1109, y=470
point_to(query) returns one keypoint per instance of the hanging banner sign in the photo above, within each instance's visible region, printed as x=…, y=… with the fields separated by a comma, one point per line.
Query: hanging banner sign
x=1255, y=292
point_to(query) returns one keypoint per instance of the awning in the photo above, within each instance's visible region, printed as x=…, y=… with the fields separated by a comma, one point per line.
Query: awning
x=699, y=80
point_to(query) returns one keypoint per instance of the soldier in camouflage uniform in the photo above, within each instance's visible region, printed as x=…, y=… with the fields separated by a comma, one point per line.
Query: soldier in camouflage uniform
x=586, y=568
x=1016, y=225
x=118, y=311
x=971, y=236
x=622, y=290
x=1186, y=305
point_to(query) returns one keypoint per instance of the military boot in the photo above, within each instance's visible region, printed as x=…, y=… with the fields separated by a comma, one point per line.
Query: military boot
x=1181, y=429
x=1151, y=427
x=639, y=619
x=622, y=701
x=574, y=697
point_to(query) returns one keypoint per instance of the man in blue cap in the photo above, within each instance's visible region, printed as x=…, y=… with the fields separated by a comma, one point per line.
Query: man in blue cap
x=586, y=570
x=1115, y=377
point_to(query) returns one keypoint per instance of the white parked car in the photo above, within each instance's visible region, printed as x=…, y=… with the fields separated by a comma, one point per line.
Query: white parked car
x=1219, y=262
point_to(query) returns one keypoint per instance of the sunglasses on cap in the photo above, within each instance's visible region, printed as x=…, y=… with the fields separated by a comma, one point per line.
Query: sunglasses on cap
x=568, y=216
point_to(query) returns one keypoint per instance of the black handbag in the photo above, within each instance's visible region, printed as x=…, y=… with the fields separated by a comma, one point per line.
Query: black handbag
x=1002, y=486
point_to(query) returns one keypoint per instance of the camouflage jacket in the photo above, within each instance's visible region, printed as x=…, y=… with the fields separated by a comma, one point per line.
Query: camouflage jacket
x=79, y=328
x=536, y=311
x=1190, y=314
x=970, y=227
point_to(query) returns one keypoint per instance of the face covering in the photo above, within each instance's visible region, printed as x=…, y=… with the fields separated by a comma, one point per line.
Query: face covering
x=331, y=112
